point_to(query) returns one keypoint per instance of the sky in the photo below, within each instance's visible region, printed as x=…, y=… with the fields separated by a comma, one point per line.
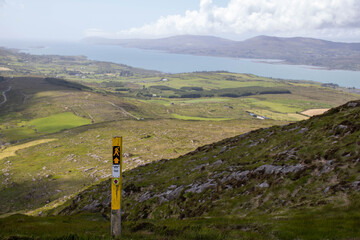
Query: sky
x=73, y=20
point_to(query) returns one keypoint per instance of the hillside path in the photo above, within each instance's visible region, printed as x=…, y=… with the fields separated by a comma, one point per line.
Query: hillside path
x=4, y=95
x=124, y=111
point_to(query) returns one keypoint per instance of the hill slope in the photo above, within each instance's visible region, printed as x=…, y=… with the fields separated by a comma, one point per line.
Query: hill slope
x=54, y=137
x=310, y=166
x=297, y=50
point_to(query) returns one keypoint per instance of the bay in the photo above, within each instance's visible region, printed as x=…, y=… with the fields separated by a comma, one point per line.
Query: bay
x=180, y=63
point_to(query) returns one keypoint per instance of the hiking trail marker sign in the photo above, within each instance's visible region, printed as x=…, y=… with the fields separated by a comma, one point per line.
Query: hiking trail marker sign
x=116, y=182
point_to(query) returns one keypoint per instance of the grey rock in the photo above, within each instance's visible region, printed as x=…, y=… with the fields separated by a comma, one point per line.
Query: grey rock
x=175, y=193
x=219, y=162
x=253, y=144
x=239, y=176
x=162, y=199
x=268, y=169
x=200, y=167
x=327, y=167
x=342, y=126
x=326, y=190
x=288, y=154
x=271, y=169
x=125, y=155
x=94, y=156
x=198, y=188
x=274, y=148
x=170, y=194
x=92, y=207
x=222, y=150
x=303, y=130
x=352, y=104
x=293, y=129
x=356, y=185
x=145, y=197
x=292, y=169
x=264, y=185
x=89, y=169
x=107, y=200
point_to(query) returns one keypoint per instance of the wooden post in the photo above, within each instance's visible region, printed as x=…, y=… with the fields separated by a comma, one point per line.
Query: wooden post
x=116, y=182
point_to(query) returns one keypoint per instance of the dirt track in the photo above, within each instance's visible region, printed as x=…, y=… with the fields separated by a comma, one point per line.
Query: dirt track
x=4, y=95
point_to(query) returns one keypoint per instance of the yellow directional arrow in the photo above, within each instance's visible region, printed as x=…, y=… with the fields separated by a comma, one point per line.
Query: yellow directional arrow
x=116, y=161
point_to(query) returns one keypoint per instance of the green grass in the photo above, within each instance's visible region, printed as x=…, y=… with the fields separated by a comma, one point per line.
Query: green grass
x=18, y=133
x=324, y=224
x=211, y=81
x=167, y=101
x=189, y=118
x=58, y=122
x=15, y=130
x=80, y=227
x=204, y=100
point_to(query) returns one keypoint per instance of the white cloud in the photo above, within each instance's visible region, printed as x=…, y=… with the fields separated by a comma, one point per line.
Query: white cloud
x=255, y=17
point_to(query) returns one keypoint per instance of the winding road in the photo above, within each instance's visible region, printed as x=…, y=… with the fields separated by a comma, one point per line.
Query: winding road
x=4, y=95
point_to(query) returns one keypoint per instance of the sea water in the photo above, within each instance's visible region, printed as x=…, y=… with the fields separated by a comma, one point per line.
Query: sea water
x=180, y=63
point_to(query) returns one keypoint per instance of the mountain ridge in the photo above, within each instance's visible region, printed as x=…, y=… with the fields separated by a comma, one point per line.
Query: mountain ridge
x=293, y=50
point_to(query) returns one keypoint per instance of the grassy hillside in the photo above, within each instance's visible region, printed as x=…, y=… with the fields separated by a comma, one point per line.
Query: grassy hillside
x=55, y=141
x=55, y=138
x=59, y=132
x=38, y=106
x=298, y=181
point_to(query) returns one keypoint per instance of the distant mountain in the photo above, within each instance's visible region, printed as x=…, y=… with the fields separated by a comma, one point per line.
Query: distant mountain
x=297, y=50
x=171, y=44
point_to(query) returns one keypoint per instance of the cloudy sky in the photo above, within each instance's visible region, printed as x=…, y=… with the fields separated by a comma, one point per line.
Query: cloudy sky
x=236, y=19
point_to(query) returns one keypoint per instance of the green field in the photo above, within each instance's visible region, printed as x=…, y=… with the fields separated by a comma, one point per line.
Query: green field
x=58, y=122
x=198, y=118
x=40, y=126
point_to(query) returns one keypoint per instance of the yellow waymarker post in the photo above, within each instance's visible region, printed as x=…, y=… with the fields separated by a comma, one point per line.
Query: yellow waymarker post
x=116, y=182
